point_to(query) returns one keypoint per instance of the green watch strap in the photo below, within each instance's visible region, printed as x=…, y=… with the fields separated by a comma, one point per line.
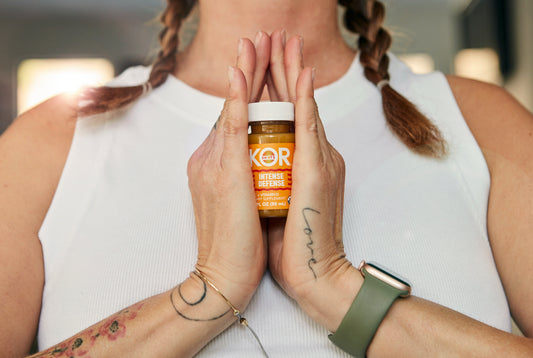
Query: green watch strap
x=362, y=320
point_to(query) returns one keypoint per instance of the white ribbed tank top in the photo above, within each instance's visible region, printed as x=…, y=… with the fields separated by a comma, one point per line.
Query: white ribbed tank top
x=121, y=225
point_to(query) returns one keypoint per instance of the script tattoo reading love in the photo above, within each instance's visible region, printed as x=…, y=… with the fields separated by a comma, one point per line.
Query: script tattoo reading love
x=309, y=232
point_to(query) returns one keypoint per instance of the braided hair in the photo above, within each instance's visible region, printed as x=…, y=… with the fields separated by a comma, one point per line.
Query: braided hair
x=365, y=18
x=101, y=99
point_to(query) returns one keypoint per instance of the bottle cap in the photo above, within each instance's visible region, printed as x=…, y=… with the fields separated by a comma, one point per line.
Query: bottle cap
x=270, y=111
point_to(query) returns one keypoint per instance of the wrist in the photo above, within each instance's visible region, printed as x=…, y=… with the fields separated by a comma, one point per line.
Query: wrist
x=327, y=299
x=196, y=301
x=224, y=289
x=201, y=311
x=374, y=299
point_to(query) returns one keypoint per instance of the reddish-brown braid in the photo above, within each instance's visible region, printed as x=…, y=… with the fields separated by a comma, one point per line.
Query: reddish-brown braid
x=101, y=99
x=366, y=17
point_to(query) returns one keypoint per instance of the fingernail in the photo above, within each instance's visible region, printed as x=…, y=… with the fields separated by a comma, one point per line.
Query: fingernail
x=258, y=37
x=241, y=44
x=283, y=37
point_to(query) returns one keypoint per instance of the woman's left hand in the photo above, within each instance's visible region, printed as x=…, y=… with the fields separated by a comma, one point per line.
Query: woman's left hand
x=306, y=254
x=231, y=247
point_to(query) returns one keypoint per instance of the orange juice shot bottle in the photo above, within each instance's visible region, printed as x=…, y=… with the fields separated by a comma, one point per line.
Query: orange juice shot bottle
x=271, y=145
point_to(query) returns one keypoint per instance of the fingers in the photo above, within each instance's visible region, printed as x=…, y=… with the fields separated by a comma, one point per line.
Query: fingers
x=246, y=83
x=246, y=62
x=262, y=49
x=306, y=115
x=293, y=64
x=253, y=60
x=280, y=65
x=272, y=93
x=286, y=63
x=271, y=60
x=277, y=66
x=232, y=129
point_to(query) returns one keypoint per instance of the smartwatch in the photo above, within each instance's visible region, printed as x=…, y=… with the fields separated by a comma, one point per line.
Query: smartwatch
x=377, y=294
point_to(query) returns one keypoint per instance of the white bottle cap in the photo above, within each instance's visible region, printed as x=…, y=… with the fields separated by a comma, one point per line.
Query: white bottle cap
x=270, y=111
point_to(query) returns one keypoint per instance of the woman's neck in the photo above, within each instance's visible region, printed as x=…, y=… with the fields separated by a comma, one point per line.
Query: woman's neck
x=203, y=65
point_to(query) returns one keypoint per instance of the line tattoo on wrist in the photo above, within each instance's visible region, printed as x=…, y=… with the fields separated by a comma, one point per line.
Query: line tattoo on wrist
x=191, y=303
x=308, y=232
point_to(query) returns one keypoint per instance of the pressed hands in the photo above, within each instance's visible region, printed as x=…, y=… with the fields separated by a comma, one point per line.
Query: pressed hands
x=305, y=252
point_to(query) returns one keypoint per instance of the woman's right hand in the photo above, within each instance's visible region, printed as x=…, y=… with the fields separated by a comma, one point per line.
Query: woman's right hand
x=231, y=247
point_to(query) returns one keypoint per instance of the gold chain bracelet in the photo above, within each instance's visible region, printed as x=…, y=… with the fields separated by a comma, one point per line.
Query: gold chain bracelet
x=236, y=312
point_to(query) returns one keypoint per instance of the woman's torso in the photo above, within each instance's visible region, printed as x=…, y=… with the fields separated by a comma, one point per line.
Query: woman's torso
x=121, y=225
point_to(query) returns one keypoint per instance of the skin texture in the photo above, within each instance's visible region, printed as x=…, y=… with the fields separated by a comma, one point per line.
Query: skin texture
x=504, y=130
x=33, y=152
x=34, y=149
x=203, y=64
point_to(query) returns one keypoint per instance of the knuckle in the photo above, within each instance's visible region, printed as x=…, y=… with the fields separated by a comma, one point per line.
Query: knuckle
x=225, y=109
x=193, y=164
x=232, y=121
x=309, y=117
x=202, y=168
x=338, y=160
x=308, y=123
x=229, y=127
x=232, y=127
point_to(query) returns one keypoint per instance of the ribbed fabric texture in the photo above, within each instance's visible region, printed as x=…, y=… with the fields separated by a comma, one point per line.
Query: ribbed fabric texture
x=121, y=225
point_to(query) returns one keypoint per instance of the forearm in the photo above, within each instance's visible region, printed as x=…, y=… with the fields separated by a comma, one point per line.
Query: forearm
x=418, y=328
x=176, y=323
x=413, y=327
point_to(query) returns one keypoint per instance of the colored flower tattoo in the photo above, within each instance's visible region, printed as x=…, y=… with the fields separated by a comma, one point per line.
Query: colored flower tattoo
x=80, y=345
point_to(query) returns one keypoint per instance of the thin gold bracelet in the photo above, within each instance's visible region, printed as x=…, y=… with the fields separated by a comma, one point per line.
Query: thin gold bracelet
x=204, y=278
x=236, y=312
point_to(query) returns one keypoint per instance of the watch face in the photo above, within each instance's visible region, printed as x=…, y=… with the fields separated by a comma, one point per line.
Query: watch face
x=386, y=276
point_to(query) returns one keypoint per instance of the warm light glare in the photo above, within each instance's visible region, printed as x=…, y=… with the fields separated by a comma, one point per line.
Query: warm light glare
x=480, y=64
x=39, y=79
x=419, y=62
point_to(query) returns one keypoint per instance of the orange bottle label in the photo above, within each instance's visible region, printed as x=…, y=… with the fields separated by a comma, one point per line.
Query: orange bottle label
x=272, y=171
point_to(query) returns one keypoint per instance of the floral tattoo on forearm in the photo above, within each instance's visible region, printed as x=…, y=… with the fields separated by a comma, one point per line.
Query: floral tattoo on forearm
x=80, y=345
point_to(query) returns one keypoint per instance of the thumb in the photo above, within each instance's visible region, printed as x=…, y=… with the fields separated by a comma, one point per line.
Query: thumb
x=234, y=120
x=306, y=123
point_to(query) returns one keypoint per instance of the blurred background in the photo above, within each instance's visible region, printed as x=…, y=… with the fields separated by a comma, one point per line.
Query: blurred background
x=51, y=46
